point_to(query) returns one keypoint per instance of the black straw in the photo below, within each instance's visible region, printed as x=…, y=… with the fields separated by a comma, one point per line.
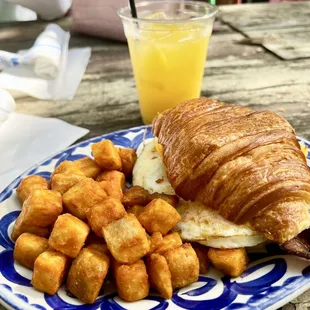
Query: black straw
x=133, y=8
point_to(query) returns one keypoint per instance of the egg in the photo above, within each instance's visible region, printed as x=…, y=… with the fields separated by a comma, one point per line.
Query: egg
x=199, y=223
x=207, y=227
x=149, y=171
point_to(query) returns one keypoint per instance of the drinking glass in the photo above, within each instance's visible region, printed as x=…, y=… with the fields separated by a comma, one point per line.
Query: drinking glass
x=168, y=44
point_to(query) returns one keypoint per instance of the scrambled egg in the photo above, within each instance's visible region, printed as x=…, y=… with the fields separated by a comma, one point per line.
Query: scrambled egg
x=149, y=171
x=198, y=223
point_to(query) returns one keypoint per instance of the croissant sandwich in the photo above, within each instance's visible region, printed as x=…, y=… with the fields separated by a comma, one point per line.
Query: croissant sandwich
x=245, y=165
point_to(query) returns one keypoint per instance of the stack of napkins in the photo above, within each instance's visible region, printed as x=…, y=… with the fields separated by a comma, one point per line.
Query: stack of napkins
x=48, y=70
x=26, y=140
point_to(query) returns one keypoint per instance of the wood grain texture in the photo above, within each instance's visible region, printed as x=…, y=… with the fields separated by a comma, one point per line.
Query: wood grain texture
x=235, y=73
x=267, y=15
x=282, y=29
x=287, y=43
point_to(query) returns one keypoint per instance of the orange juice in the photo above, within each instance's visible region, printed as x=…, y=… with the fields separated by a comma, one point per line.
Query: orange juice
x=168, y=60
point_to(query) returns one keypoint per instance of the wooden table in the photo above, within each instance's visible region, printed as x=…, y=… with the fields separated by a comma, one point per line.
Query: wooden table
x=235, y=73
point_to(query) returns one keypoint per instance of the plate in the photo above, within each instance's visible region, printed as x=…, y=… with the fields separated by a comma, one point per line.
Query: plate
x=270, y=281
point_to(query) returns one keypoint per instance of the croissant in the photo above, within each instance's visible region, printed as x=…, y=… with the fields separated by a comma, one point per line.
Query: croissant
x=247, y=165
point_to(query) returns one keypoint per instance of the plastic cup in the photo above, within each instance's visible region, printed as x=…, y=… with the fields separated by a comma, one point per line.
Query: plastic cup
x=168, y=45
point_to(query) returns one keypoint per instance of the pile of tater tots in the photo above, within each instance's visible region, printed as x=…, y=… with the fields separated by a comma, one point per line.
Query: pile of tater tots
x=84, y=228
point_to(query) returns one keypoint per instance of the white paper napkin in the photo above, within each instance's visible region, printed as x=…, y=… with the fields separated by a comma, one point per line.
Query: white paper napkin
x=26, y=140
x=46, y=9
x=47, y=70
x=7, y=105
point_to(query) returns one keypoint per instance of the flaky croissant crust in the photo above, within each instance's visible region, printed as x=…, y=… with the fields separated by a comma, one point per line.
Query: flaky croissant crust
x=247, y=165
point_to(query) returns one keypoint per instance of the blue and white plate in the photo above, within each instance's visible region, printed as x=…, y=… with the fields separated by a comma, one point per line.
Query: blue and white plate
x=270, y=281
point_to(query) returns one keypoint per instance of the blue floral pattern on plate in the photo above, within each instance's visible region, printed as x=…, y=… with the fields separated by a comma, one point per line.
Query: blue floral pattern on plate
x=269, y=282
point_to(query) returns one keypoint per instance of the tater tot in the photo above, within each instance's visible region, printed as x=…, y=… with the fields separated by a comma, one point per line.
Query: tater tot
x=68, y=235
x=106, y=155
x=20, y=227
x=159, y=275
x=87, y=274
x=50, y=270
x=62, y=182
x=40, y=210
x=231, y=262
x=114, y=177
x=68, y=167
x=89, y=167
x=82, y=196
x=113, y=183
x=136, y=210
x=28, y=247
x=128, y=158
x=111, y=190
x=183, y=265
x=103, y=248
x=135, y=195
x=131, y=280
x=202, y=254
x=171, y=199
x=27, y=185
x=104, y=213
x=169, y=242
x=159, y=216
x=126, y=239
x=156, y=240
